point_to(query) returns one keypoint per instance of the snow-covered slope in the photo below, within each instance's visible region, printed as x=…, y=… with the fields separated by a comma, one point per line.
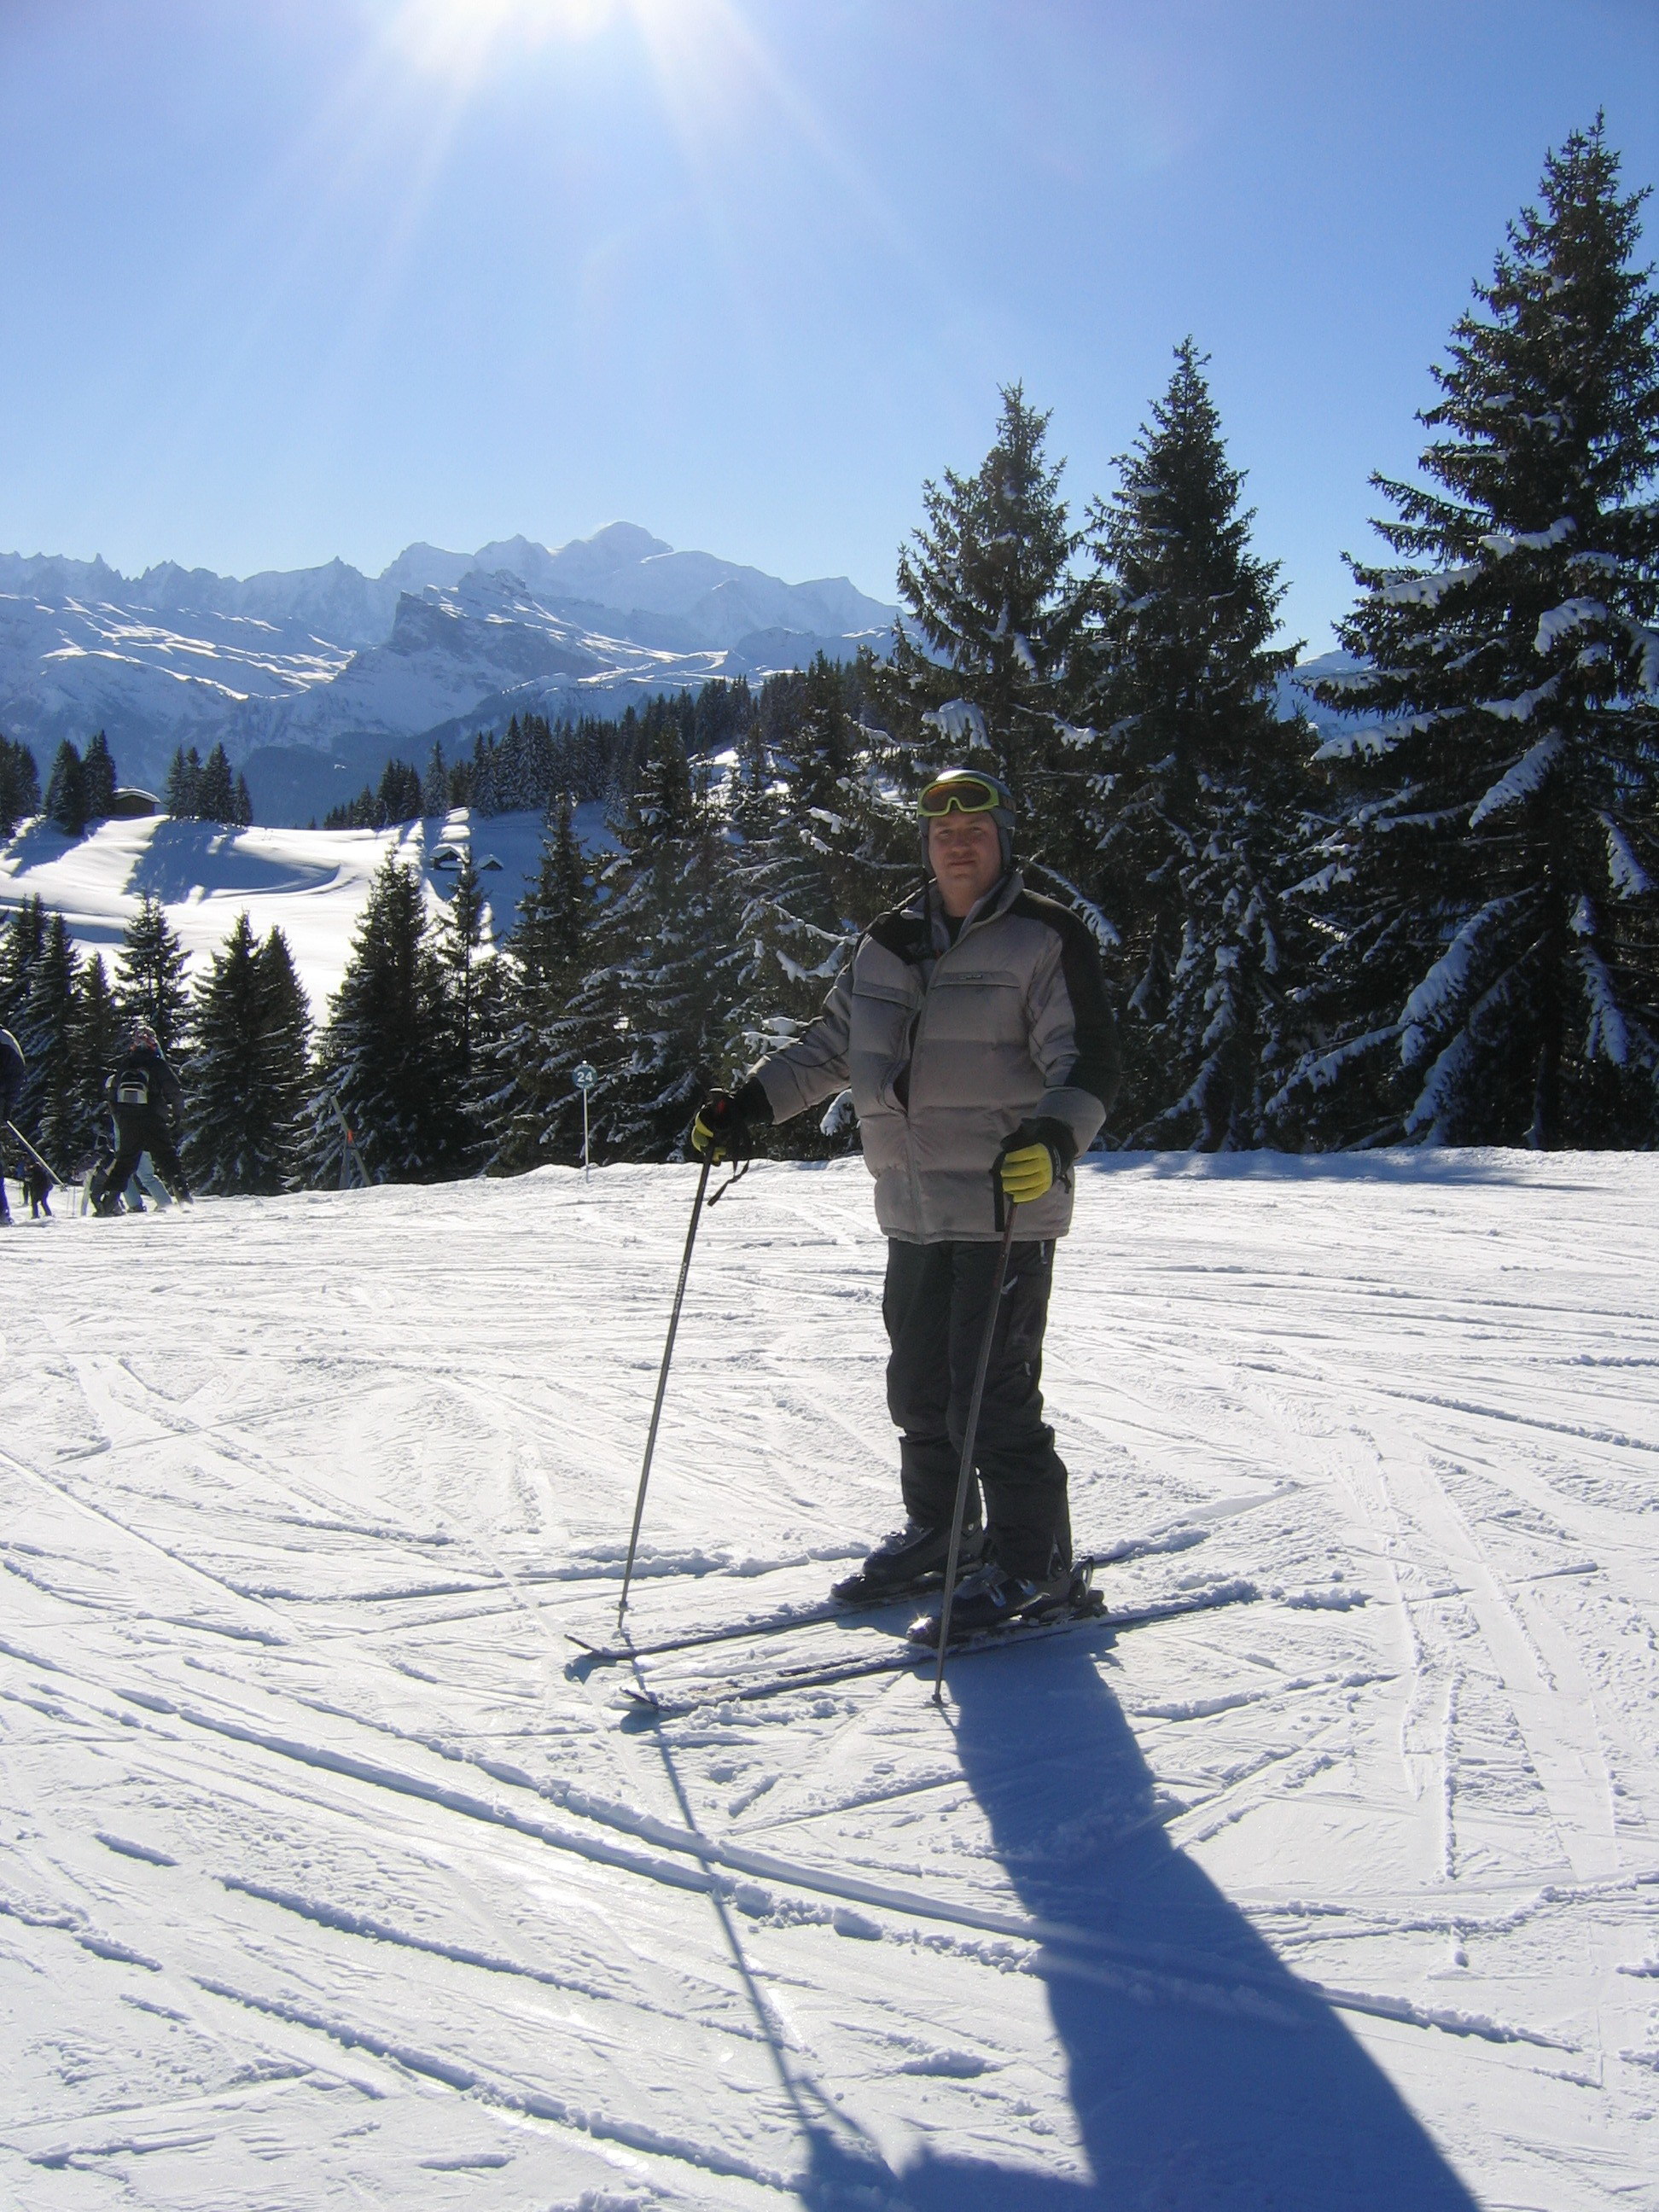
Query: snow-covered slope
x=326, y=1879
x=312, y=884
x=311, y=656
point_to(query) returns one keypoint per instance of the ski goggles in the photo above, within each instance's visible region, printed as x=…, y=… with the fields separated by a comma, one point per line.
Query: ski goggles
x=967, y=794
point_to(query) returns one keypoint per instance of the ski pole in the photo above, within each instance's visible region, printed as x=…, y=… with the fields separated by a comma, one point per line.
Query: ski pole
x=45, y=1166
x=965, y=1475
x=662, y=1386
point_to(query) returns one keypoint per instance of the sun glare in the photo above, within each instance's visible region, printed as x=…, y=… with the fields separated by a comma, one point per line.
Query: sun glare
x=465, y=35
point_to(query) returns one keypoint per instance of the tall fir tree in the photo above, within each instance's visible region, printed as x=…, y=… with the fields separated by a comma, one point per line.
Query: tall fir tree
x=46, y=1030
x=247, y=1070
x=97, y=1048
x=545, y=957
x=151, y=976
x=20, y=785
x=182, y=798
x=20, y=945
x=1494, y=975
x=1186, y=827
x=979, y=667
x=650, y=1014
x=383, y=1059
x=216, y=789
x=825, y=847
x=98, y=780
x=66, y=791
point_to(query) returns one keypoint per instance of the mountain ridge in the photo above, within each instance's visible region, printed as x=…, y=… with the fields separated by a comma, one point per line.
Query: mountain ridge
x=315, y=657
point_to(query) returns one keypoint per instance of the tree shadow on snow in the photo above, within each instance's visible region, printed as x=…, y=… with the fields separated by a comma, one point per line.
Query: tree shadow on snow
x=1204, y=2076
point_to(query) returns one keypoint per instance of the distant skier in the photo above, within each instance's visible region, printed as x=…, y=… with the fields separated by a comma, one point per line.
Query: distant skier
x=972, y=1028
x=147, y=1100
x=12, y=1067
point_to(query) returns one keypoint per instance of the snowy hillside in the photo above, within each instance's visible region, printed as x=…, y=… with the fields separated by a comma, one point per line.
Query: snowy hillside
x=316, y=656
x=327, y=1877
x=311, y=883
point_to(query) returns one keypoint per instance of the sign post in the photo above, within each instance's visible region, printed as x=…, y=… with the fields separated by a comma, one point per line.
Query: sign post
x=585, y=1076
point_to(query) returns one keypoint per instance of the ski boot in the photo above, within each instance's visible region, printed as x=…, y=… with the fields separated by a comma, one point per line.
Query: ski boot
x=911, y=1558
x=991, y=1599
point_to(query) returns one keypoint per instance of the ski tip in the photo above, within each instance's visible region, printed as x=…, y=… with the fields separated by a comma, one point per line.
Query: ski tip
x=641, y=1709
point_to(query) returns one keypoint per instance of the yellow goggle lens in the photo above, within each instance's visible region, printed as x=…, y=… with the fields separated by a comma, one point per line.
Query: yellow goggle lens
x=967, y=794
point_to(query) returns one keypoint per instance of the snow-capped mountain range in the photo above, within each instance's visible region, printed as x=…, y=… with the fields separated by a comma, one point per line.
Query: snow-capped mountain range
x=438, y=644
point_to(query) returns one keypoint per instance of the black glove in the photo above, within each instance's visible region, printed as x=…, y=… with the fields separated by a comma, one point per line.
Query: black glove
x=723, y=1129
x=1038, y=1155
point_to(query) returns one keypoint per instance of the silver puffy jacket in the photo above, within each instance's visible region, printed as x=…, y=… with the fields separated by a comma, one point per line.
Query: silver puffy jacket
x=948, y=1047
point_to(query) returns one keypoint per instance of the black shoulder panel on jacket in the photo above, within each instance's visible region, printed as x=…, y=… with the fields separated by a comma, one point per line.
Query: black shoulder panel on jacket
x=902, y=931
x=1099, y=1065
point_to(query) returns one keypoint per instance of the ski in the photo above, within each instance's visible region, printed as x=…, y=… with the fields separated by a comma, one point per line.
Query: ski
x=648, y=1706
x=815, y=1614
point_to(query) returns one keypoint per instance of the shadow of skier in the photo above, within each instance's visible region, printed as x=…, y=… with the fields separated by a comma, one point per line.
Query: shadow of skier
x=1204, y=2076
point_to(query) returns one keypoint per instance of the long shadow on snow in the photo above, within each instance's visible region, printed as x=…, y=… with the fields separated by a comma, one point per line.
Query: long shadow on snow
x=1205, y=2077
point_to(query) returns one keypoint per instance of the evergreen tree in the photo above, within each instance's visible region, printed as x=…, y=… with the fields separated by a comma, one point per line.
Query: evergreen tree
x=286, y=1064
x=1187, y=815
x=546, y=956
x=99, y=780
x=1494, y=970
x=384, y=1056
x=20, y=947
x=215, y=793
x=825, y=847
x=247, y=1070
x=66, y=791
x=182, y=799
x=46, y=1030
x=20, y=785
x=150, y=975
x=434, y=785
x=979, y=662
x=97, y=1047
x=652, y=1011
x=242, y=809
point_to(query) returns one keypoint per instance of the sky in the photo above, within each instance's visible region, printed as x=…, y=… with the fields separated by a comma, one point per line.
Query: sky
x=281, y=282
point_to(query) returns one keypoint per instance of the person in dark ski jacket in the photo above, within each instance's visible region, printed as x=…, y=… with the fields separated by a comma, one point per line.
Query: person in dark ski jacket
x=973, y=1028
x=147, y=1102
x=12, y=1067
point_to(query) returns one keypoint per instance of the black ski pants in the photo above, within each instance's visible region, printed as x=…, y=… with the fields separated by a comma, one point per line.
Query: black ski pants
x=934, y=1305
x=137, y=1132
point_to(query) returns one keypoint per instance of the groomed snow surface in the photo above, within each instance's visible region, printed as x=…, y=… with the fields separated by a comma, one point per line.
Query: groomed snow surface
x=326, y=1880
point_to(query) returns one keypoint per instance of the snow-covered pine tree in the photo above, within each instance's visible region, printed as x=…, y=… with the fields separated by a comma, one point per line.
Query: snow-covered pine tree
x=545, y=957
x=434, y=784
x=287, y=1043
x=650, y=1014
x=66, y=791
x=982, y=649
x=476, y=992
x=151, y=976
x=1187, y=813
x=245, y=1089
x=824, y=846
x=1495, y=975
x=20, y=944
x=384, y=1057
x=98, y=779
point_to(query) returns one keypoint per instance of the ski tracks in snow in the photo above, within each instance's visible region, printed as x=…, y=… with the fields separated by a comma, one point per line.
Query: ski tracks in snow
x=322, y=1870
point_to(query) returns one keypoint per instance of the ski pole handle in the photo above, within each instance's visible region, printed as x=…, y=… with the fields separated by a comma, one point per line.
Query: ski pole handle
x=662, y=1386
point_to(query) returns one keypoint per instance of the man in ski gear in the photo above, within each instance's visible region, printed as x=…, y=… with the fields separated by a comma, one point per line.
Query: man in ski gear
x=972, y=1028
x=12, y=1066
x=145, y=1095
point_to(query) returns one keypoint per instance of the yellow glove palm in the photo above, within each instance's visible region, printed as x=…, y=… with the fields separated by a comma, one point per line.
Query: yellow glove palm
x=705, y=1140
x=1026, y=1174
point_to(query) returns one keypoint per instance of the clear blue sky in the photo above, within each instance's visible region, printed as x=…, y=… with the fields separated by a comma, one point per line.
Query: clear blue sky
x=279, y=282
